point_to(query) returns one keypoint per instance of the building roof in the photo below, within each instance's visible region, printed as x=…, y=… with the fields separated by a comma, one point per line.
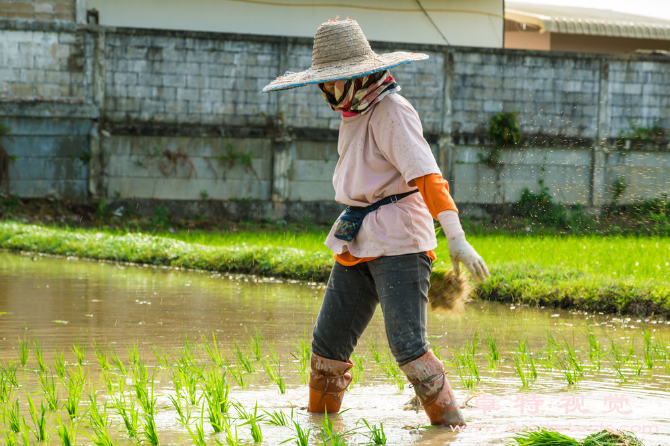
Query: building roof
x=598, y=22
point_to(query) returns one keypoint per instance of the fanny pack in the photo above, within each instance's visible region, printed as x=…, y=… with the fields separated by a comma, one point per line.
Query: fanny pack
x=350, y=222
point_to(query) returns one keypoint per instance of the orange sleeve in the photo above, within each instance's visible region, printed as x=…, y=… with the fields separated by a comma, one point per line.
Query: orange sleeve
x=435, y=192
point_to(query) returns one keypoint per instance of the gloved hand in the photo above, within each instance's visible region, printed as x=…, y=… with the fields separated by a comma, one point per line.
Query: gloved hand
x=460, y=250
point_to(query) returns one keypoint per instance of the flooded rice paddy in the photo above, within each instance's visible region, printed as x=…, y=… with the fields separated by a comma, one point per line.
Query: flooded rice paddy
x=190, y=333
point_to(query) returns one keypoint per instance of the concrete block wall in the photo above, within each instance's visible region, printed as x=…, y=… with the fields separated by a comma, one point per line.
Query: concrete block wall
x=566, y=172
x=147, y=95
x=192, y=168
x=187, y=80
x=63, y=10
x=44, y=65
x=639, y=94
x=52, y=157
x=553, y=95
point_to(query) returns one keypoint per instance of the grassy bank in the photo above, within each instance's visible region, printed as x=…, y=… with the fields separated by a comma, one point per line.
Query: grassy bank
x=610, y=274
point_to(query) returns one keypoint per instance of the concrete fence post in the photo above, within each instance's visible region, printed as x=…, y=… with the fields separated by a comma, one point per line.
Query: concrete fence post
x=283, y=147
x=600, y=140
x=446, y=149
x=97, y=142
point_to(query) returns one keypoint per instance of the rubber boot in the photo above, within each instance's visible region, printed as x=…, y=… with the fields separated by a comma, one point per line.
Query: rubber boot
x=327, y=382
x=433, y=390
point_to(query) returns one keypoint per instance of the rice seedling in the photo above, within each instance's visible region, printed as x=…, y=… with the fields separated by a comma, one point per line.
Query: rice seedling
x=235, y=372
x=611, y=437
x=302, y=355
x=161, y=356
x=126, y=410
x=133, y=350
x=595, y=348
x=615, y=351
x=278, y=418
x=255, y=344
x=493, y=356
x=617, y=366
x=12, y=416
x=198, y=437
x=301, y=435
x=98, y=423
x=374, y=351
x=48, y=386
x=275, y=374
x=212, y=350
x=147, y=420
x=40, y=419
x=543, y=437
x=5, y=388
x=140, y=379
x=10, y=438
x=520, y=369
x=185, y=356
x=118, y=363
x=231, y=440
x=377, y=435
x=67, y=434
x=637, y=366
x=39, y=355
x=465, y=362
x=568, y=370
x=25, y=432
x=79, y=349
x=648, y=348
x=186, y=381
x=437, y=351
x=144, y=390
x=660, y=348
x=74, y=383
x=254, y=424
x=572, y=358
x=23, y=348
x=245, y=361
x=8, y=370
x=102, y=353
x=391, y=369
x=59, y=363
x=328, y=435
x=216, y=391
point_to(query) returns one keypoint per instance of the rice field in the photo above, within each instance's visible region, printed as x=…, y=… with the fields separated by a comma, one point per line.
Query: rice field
x=105, y=395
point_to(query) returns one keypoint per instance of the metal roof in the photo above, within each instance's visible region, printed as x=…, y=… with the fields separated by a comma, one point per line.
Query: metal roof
x=596, y=22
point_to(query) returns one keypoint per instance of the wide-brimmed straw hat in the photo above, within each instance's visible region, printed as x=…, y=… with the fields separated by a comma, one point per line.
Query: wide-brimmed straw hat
x=341, y=52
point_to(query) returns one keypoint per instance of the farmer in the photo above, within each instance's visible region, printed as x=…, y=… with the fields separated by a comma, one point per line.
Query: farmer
x=384, y=241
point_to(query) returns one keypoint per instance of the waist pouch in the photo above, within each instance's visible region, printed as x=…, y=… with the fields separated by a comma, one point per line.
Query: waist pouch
x=350, y=222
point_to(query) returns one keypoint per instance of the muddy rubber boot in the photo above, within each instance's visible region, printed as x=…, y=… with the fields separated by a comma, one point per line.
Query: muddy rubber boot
x=433, y=390
x=327, y=382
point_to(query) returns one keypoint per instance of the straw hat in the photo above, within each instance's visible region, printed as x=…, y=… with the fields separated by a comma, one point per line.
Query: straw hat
x=341, y=52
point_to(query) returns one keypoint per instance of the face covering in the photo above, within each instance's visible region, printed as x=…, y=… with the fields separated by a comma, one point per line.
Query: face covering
x=360, y=94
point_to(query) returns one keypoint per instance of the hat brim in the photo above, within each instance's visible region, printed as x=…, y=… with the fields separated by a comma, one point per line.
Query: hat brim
x=343, y=72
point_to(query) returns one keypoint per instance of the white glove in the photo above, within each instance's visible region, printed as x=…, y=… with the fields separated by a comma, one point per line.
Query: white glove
x=460, y=250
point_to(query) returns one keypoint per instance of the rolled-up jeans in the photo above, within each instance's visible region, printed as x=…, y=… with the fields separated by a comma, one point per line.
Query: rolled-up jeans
x=399, y=283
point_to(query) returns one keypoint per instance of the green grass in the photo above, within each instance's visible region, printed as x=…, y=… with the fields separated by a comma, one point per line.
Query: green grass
x=610, y=274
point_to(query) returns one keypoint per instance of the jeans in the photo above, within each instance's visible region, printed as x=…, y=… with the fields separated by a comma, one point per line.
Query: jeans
x=399, y=283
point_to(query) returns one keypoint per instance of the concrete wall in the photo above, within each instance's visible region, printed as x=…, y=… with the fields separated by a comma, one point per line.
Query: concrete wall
x=168, y=115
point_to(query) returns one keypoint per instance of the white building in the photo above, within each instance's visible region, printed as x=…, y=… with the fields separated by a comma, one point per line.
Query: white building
x=458, y=22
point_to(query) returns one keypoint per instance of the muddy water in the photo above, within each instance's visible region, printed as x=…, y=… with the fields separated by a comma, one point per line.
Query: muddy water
x=58, y=300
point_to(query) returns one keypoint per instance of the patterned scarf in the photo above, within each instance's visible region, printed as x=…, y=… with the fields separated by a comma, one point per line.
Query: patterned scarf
x=359, y=95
